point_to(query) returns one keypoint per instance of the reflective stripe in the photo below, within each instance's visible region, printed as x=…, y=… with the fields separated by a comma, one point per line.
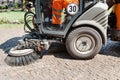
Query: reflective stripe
x=57, y=10
x=55, y=15
x=58, y=13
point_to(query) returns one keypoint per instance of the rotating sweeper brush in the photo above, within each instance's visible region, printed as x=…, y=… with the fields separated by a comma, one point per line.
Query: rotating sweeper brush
x=21, y=57
x=22, y=54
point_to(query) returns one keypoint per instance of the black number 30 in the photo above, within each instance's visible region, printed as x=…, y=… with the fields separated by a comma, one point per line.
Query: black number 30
x=72, y=9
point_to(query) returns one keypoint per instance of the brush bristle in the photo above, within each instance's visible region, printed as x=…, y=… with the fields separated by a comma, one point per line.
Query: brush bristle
x=21, y=60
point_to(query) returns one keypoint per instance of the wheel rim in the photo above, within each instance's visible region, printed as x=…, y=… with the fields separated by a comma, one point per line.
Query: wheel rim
x=84, y=43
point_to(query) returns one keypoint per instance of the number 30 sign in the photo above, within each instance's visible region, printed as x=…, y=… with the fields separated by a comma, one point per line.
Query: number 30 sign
x=72, y=9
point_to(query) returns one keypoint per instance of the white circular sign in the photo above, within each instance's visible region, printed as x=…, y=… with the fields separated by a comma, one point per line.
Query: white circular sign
x=72, y=9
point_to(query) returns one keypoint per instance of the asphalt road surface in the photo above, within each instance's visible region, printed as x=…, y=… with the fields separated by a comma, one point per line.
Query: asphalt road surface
x=60, y=66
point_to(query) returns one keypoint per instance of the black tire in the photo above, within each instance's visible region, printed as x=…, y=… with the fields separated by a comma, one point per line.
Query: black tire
x=83, y=43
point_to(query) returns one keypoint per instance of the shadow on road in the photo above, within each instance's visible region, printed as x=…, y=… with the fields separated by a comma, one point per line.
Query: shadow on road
x=59, y=50
x=56, y=49
x=111, y=49
x=7, y=45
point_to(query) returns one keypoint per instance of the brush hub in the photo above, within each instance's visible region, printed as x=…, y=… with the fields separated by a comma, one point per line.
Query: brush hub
x=16, y=52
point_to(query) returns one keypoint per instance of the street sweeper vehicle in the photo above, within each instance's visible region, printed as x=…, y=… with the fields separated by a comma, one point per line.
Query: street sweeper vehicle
x=83, y=31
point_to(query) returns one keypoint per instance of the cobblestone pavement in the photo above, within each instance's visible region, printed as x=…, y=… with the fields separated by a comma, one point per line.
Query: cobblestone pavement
x=60, y=66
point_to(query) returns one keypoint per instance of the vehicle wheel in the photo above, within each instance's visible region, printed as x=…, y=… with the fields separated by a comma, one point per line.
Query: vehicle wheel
x=83, y=43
